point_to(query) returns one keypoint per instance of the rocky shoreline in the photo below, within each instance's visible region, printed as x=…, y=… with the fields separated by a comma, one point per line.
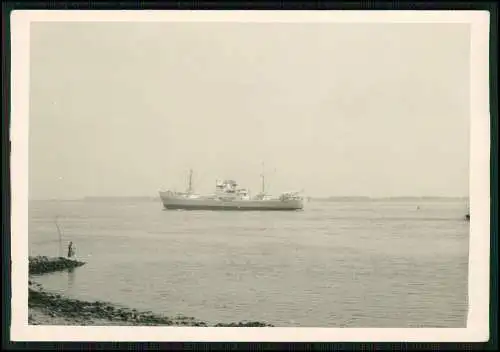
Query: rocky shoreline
x=46, y=308
x=44, y=265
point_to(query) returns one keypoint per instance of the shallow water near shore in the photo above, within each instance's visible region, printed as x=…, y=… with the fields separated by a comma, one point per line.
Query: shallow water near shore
x=336, y=264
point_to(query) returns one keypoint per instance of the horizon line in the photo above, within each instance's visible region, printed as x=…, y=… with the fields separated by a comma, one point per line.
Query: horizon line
x=309, y=197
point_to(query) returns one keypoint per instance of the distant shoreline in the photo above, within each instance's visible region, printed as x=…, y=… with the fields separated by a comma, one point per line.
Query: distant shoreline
x=319, y=199
x=402, y=198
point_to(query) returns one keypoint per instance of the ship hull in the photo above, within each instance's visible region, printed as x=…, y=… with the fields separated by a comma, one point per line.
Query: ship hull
x=178, y=203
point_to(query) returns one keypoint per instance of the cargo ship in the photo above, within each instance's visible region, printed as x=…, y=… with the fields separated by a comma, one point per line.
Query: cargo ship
x=229, y=195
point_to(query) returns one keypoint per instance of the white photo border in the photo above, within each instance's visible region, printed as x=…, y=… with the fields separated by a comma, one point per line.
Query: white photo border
x=477, y=329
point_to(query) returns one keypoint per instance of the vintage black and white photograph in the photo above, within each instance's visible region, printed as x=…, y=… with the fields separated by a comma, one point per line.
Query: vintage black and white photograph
x=213, y=172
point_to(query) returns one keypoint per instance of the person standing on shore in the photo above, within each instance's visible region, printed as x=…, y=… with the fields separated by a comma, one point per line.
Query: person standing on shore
x=71, y=251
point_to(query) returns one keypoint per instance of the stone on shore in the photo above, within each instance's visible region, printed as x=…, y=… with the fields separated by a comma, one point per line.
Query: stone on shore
x=76, y=312
x=46, y=308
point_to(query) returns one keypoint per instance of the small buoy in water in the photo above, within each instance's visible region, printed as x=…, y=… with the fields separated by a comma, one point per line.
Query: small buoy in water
x=418, y=207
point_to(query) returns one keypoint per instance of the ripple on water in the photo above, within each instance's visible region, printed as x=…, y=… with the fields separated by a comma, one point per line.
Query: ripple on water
x=357, y=265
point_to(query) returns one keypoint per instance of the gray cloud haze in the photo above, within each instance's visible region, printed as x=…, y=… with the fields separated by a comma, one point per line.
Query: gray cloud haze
x=334, y=109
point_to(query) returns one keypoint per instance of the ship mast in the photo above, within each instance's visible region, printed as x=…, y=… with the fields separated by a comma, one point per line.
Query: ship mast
x=190, y=181
x=263, y=180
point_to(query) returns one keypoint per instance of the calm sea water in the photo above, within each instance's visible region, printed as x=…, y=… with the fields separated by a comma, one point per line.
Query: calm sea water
x=350, y=264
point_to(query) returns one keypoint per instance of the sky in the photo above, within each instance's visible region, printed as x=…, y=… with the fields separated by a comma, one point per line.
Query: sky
x=333, y=109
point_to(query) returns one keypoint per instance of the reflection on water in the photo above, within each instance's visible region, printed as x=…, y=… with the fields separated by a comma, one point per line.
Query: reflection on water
x=71, y=278
x=353, y=264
